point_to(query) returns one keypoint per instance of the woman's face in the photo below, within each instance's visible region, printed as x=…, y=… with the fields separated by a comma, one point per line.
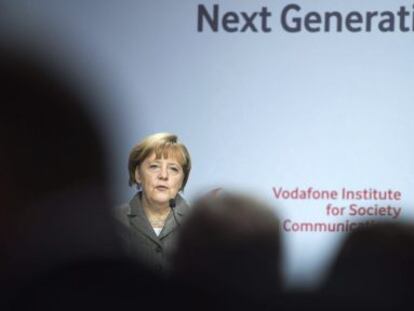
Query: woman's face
x=160, y=179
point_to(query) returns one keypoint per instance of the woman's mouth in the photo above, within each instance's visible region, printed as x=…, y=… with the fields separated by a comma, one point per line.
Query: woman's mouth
x=161, y=188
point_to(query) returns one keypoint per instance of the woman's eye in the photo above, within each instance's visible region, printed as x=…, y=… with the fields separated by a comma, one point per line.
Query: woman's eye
x=174, y=169
x=153, y=166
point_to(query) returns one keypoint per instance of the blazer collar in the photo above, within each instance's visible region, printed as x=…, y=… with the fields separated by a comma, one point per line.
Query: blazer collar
x=140, y=221
x=170, y=224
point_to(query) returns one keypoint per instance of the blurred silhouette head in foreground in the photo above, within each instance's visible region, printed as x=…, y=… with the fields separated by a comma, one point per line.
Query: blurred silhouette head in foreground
x=374, y=267
x=55, y=205
x=58, y=246
x=229, y=247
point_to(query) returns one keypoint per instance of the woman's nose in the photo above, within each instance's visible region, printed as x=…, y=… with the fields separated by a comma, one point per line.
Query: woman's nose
x=163, y=173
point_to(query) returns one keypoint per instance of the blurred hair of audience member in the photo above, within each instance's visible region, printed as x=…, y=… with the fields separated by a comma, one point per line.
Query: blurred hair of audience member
x=228, y=253
x=373, y=269
x=58, y=244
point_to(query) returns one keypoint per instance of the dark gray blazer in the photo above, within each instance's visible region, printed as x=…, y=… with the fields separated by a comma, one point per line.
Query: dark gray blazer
x=139, y=237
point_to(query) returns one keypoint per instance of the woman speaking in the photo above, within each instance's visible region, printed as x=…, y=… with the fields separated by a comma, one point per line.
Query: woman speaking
x=159, y=166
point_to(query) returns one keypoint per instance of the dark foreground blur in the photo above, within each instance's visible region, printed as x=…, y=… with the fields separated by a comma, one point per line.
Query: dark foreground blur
x=59, y=245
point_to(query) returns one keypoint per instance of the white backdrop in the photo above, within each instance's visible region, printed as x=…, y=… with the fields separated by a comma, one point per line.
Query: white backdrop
x=257, y=110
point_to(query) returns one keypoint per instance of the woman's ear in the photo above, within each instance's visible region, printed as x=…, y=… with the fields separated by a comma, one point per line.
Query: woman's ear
x=137, y=175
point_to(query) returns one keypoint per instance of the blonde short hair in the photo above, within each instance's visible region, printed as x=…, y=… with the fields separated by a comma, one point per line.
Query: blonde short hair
x=163, y=145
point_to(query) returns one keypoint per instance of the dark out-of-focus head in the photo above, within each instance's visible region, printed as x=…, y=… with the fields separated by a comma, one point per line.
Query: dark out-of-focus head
x=230, y=243
x=52, y=182
x=375, y=265
x=48, y=142
x=58, y=247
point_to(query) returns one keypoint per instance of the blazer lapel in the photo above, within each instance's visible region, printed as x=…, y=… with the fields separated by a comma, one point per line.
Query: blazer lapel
x=170, y=224
x=139, y=220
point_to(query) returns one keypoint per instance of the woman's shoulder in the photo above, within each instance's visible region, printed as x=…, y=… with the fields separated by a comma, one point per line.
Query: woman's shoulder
x=121, y=212
x=127, y=210
x=182, y=206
